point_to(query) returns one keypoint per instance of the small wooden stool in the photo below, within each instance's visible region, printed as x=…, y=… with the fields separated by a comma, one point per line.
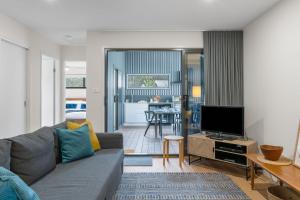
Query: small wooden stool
x=166, y=143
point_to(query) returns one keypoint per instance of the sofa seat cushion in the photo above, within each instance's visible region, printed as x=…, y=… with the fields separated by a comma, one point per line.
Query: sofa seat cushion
x=5, y=153
x=89, y=178
x=32, y=155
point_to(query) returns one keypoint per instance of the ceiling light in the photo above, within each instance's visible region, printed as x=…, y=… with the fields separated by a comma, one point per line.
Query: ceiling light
x=67, y=69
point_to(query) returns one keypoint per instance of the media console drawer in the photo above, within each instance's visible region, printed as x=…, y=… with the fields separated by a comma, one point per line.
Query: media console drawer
x=232, y=158
x=201, y=147
x=227, y=151
x=234, y=148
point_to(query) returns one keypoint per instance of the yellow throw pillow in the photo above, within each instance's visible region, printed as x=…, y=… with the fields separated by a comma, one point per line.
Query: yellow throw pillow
x=93, y=137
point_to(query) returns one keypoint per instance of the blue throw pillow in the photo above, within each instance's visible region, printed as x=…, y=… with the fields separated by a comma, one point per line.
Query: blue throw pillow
x=13, y=187
x=75, y=144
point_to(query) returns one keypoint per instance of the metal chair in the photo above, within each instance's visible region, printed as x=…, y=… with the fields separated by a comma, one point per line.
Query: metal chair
x=196, y=112
x=177, y=122
x=149, y=118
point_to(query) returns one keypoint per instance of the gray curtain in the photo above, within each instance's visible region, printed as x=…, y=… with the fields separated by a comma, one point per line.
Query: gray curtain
x=223, y=51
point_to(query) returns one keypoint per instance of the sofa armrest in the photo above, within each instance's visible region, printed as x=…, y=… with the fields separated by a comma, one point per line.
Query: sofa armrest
x=110, y=140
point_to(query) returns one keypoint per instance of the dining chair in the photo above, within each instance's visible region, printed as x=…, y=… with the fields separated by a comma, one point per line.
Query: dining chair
x=149, y=118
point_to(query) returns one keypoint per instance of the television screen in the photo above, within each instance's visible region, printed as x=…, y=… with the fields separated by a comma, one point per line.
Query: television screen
x=225, y=120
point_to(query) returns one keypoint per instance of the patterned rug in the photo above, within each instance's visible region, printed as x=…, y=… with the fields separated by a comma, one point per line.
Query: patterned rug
x=178, y=186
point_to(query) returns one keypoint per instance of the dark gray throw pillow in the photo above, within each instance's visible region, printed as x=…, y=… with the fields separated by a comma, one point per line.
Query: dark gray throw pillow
x=5, y=153
x=32, y=155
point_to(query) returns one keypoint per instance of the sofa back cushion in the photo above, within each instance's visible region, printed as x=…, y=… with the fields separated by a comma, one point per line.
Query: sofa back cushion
x=5, y=146
x=32, y=155
x=62, y=125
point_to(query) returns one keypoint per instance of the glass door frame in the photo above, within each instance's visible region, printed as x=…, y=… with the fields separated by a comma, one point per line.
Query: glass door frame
x=185, y=92
x=107, y=50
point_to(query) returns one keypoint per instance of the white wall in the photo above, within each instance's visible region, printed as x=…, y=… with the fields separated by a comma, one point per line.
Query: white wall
x=13, y=31
x=73, y=53
x=272, y=76
x=37, y=45
x=98, y=41
x=75, y=70
x=76, y=93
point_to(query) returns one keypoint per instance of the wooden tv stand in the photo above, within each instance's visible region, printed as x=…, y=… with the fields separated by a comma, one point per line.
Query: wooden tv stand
x=233, y=152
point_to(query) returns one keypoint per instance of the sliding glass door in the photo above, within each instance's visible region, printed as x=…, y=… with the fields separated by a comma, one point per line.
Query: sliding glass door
x=192, y=91
x=115, y=90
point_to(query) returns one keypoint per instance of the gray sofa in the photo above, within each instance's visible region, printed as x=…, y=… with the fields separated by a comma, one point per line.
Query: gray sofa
x=35, y=157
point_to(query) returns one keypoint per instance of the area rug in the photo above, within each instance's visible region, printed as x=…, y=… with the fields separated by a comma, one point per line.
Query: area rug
x=178, y=186
x=138, y=161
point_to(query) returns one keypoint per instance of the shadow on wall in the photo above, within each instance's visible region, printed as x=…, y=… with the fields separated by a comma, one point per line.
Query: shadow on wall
x=256, y=131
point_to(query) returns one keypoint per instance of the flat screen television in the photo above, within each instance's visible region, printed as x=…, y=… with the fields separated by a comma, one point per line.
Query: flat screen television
x=223, y=120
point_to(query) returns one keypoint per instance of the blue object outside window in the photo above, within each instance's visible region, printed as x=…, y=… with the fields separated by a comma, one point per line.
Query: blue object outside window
x=71, y=106
x=83, y=106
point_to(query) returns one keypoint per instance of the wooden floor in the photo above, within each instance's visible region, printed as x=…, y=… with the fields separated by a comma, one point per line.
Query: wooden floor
x=235, y=173
x=136, y=142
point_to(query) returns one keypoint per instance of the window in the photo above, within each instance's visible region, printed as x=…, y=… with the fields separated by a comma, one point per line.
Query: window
x=148, y=81
x=75, y=82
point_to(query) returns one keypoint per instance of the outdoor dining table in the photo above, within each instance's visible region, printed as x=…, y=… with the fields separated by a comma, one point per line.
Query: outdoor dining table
x=158, y=114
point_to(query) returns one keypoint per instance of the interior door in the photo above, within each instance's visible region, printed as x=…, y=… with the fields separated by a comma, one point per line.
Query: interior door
x=192, y=91
x=47, y=91
x=13, y=89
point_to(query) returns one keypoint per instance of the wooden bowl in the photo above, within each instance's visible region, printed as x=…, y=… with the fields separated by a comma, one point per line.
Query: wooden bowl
x=272, y=153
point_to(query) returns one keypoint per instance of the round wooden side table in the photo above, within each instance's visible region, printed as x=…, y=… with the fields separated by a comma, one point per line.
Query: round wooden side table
x=166, y=143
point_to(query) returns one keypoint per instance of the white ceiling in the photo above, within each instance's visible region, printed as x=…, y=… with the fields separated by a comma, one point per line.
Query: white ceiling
x=60, y=18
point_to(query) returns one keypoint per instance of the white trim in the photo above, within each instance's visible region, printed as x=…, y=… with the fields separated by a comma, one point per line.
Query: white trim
x=13, y=43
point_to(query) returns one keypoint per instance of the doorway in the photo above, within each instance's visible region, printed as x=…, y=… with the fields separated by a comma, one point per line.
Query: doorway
x=75, y=90
x=151, y=93
x=50, y=91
